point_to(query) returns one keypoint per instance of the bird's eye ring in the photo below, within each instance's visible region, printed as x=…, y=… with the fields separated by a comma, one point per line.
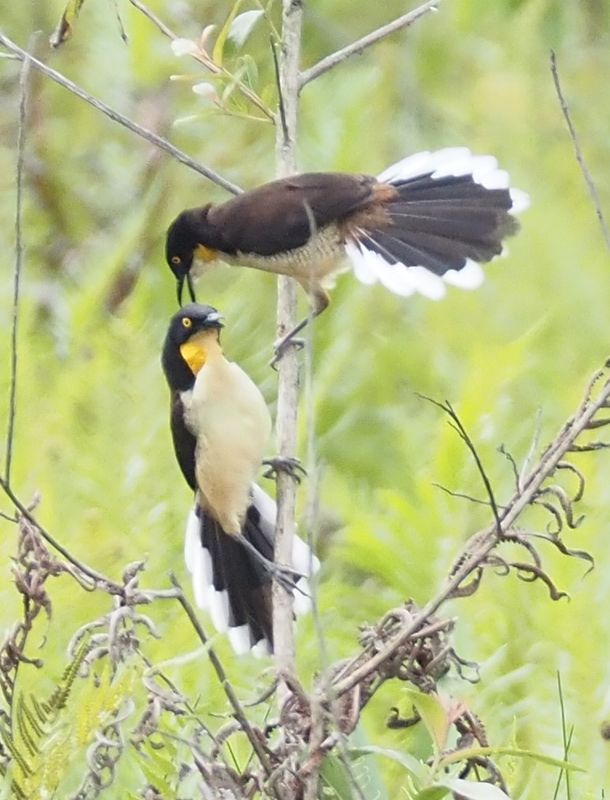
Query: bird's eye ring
x=186, y=322
x=176, y=260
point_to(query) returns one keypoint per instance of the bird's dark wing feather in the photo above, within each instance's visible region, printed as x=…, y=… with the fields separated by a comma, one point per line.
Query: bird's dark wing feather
x=184, y=441
x=282, y=215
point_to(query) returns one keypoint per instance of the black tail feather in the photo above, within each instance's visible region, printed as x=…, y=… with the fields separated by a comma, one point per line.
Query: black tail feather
x=441, y=223
x=241, y=576
x=232, y=583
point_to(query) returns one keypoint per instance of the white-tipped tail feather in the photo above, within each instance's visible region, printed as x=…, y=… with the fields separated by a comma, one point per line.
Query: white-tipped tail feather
x=451, y=213
x=231, y=586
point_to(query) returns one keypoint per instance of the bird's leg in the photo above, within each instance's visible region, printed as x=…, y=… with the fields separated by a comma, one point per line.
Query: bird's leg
x=320, y=300
x=285, y=576
x=289, y=340
x=291, y=466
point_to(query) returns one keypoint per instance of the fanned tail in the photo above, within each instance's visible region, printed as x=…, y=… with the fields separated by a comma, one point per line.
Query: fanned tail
x=231, y=584
x=450, y=213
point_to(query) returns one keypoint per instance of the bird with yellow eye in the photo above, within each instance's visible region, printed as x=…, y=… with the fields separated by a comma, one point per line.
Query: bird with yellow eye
x=220, y=428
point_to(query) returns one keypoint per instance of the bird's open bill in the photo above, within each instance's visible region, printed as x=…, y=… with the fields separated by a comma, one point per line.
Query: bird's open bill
x=180, y=287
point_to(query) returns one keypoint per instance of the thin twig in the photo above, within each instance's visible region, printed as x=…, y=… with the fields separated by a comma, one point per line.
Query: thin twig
x=462, y=495
x=238, y=711
x=97, y=577
x=10, y=430
x=208, y=63
x=488, y=538
x=360, y=45
x=116, y=116
x=154, y=19
x=281, y=109
x=578, y=152
x=457, y=425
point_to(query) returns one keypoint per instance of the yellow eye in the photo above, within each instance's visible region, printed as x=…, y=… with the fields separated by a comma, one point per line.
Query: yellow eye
x=176, y=260
x=186, y=322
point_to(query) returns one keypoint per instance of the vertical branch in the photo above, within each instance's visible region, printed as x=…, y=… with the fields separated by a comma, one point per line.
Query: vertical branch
x=10, y=429
x=288, y=380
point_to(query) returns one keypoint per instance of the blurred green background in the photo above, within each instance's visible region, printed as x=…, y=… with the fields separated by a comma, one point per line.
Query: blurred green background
x=91, y=431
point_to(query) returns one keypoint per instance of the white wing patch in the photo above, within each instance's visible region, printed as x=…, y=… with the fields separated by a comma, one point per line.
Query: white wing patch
x=456, y=161
x=470, y=276
x=216, y=603
x=400, y=280
x=371, y=266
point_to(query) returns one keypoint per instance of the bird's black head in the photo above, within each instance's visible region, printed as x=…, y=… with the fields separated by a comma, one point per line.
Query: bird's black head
x=184, y=235
x=183, y=350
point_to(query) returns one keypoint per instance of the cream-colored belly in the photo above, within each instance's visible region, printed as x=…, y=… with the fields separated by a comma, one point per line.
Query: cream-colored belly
x=312, y=262
x=232, y=424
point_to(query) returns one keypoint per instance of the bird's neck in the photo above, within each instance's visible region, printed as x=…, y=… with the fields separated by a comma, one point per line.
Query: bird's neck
x=201, y=349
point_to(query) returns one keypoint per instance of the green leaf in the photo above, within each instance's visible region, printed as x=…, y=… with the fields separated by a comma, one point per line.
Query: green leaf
x=242, y=26
x=474, y=791
x=473, y=752
x=65, y=26
x=431, y=793
x=415, y=768
x=335, y=777
x=221, y=39
x=250, y=69
x=432, y=713
x=369, y=765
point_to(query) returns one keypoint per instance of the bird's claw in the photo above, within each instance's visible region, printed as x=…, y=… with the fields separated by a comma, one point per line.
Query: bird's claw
x=287, y=464
x=287, y=578
x=282, y=345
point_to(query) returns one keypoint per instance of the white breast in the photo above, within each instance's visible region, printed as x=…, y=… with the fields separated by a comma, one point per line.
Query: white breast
x=232, y=424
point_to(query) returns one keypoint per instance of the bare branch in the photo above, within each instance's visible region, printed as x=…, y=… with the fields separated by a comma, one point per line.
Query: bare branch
x=10, y=430
x=97, y=578
x=476, y=553
x=154, y=19
x=462, y=495
x=238, y=711
x=288, y=378
x=327, y=63
x=578, y=152
x=116, y=116
x=457, y=425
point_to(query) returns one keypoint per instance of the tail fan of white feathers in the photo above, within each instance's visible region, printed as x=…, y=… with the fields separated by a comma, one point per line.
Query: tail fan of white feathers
x=231, y=584
x=451, y=213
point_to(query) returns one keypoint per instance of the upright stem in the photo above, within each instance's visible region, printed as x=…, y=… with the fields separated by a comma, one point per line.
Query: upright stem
x=288, y=379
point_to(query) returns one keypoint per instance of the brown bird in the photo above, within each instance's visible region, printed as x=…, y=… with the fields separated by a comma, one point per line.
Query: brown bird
x=428, y=220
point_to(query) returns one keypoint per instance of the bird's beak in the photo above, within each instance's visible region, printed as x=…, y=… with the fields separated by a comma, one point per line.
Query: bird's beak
x=189, y=281
x=215, y=316
x=179, y=288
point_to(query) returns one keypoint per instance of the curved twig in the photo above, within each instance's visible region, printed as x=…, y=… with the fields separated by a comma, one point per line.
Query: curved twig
x=116, y=116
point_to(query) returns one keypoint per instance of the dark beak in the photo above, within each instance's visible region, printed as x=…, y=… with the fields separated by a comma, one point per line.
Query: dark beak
x=189, y=281
x=179, y=288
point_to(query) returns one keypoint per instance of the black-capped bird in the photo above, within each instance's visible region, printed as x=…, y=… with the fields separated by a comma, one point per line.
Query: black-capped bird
x=428, y=220
x=220, y=427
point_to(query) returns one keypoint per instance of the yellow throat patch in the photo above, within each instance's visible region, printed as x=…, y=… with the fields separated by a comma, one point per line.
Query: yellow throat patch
x=206, y=254
x=194, y=351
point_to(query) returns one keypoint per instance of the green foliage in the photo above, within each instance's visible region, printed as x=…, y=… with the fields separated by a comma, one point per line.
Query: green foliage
x=48, y=735
x=92, y=434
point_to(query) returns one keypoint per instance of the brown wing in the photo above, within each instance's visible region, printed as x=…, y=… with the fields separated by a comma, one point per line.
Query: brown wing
x=280, y=215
